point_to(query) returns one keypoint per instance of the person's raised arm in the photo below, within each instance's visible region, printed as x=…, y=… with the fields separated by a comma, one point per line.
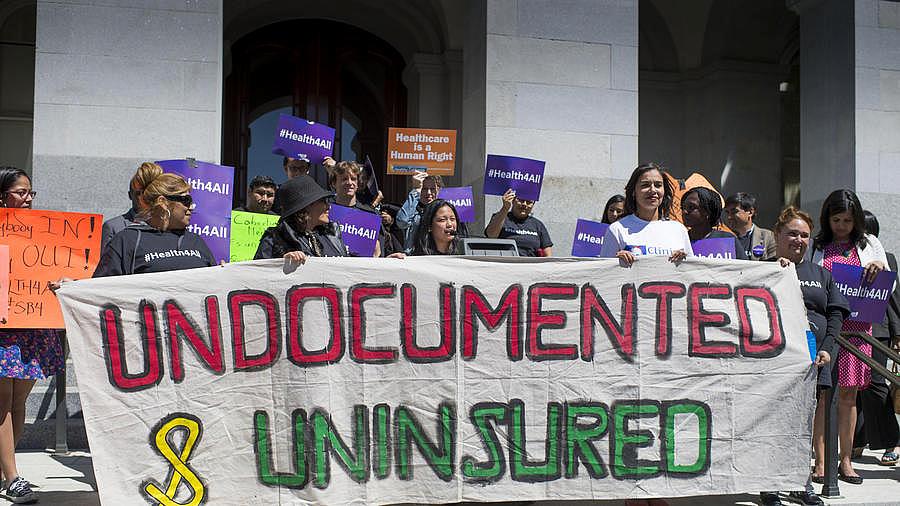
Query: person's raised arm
x=494, y=227
x=407, y=211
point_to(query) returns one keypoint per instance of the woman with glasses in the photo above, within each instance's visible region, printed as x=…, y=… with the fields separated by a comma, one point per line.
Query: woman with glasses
x=26, y=355
x=514, y=221
x=160, y=241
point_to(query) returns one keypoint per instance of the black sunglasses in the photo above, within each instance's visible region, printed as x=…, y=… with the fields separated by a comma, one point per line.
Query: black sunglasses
x=185, y=200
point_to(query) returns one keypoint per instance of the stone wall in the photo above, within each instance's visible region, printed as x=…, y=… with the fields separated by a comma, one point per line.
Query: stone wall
x=562, y=87
x=117, y=85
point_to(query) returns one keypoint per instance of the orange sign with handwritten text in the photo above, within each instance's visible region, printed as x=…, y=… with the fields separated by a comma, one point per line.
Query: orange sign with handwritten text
x=45, y=246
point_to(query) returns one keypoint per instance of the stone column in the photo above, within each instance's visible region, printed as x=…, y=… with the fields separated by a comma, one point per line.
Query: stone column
x=826, y=100
x=117, y=85
x=561, y=86
x=877, y=139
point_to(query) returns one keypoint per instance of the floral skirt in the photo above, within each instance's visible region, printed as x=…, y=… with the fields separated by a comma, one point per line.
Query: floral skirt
x=30, y=354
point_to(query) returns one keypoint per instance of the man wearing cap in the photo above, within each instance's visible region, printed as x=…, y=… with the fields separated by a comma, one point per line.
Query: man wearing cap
x=304, y=228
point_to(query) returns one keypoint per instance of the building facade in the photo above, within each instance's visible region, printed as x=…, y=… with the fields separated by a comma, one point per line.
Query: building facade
x=788, y=99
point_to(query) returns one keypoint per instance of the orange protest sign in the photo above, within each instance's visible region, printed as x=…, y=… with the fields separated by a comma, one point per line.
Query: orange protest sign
x=45, y=246
x=4, y=282
x=413, y=149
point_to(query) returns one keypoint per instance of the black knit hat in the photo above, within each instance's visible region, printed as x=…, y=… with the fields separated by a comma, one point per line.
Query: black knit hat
x=299, y=192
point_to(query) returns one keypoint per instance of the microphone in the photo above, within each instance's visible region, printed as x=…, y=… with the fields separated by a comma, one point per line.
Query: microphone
x=453, y=233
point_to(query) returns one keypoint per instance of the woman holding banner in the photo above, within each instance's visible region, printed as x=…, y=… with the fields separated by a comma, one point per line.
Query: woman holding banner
x=438, y=232
x=26, y=355
x=305, y=228
x=160, y=242
x=701, y=210
x=646, y=229
x=842, y=239
x=514, y=221
x=826, y=309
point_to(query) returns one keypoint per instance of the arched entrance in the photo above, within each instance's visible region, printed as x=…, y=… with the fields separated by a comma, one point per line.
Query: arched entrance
x=323, y=71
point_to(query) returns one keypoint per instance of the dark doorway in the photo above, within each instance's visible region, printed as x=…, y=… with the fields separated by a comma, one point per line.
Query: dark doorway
x=322, y=71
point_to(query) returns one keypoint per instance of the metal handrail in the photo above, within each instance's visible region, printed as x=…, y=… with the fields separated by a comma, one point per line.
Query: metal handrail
x=831, y=488
x=869, y=361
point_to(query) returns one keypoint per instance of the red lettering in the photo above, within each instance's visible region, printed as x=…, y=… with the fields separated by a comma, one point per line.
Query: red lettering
x=358, y=350
x=509, y=308
x=699, y=319
x=334, y=349
x=621, y=334
x=663, y=292
x=539, y=320
x=114, y=351
x=774, y=345
x=423, y=354
x=180, y=324
x=236, y=302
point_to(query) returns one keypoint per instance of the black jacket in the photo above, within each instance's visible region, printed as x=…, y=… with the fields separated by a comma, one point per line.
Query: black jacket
x=140, y=248
x=282, y=238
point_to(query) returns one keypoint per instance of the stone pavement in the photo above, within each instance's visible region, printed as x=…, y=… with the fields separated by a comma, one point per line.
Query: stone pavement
x=69, y=480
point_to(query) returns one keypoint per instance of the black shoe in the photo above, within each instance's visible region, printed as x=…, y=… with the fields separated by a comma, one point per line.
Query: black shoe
x=19, y=492
x=808, y=498
x=820, y=479
x=853, y=480
x=769, y=499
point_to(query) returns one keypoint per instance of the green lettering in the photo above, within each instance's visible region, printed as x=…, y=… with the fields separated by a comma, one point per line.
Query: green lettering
x=579, y=437
x=626, y=442
x=263, y=447
x=495, y=467
x=439, y=458
x=521, y=469
x=327, y=440
x=702, y=412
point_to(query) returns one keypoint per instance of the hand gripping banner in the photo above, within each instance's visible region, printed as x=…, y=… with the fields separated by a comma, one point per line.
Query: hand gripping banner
x=376, y=381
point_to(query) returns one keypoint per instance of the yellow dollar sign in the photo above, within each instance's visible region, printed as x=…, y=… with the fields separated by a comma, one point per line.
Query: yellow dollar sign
x=180, y=469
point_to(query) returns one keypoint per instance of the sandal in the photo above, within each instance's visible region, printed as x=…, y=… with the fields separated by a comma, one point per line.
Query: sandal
x=889, y=458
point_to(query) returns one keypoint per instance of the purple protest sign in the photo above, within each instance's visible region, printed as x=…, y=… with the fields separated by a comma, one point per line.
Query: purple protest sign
x=588, y=238
x=359, y=229
x=211, y=187
x=868, y=301
x=298, y=138
x=719, y=247
x=461, y=198
x=523, y=175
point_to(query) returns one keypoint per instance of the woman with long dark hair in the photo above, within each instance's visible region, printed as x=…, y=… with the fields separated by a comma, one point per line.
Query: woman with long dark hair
x=646, y=228
x=26, y=355
x=614, y=209
x=438, y=231
x=842, y=239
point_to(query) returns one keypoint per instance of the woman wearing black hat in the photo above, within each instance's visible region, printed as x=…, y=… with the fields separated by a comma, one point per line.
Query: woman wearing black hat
x=304, y=228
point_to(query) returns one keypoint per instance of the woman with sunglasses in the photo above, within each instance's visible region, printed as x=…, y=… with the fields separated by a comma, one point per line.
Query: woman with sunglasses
x=26, y=355
x=160, y=241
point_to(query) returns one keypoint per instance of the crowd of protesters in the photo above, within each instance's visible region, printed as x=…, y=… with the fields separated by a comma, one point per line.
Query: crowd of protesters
x=650, y=216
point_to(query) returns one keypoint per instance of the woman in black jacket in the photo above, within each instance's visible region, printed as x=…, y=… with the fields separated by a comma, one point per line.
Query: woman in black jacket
x=159, y=240
x=826, y=309
x=304, y=228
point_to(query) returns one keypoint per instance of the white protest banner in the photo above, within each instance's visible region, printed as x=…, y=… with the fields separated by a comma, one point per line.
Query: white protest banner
x=440, y=379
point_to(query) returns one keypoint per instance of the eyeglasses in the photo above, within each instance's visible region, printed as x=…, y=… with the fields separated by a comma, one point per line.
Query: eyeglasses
x=185, y=200
x=23, y=193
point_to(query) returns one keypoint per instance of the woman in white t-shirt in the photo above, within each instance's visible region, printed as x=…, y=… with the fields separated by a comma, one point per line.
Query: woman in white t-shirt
x=646, y=229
